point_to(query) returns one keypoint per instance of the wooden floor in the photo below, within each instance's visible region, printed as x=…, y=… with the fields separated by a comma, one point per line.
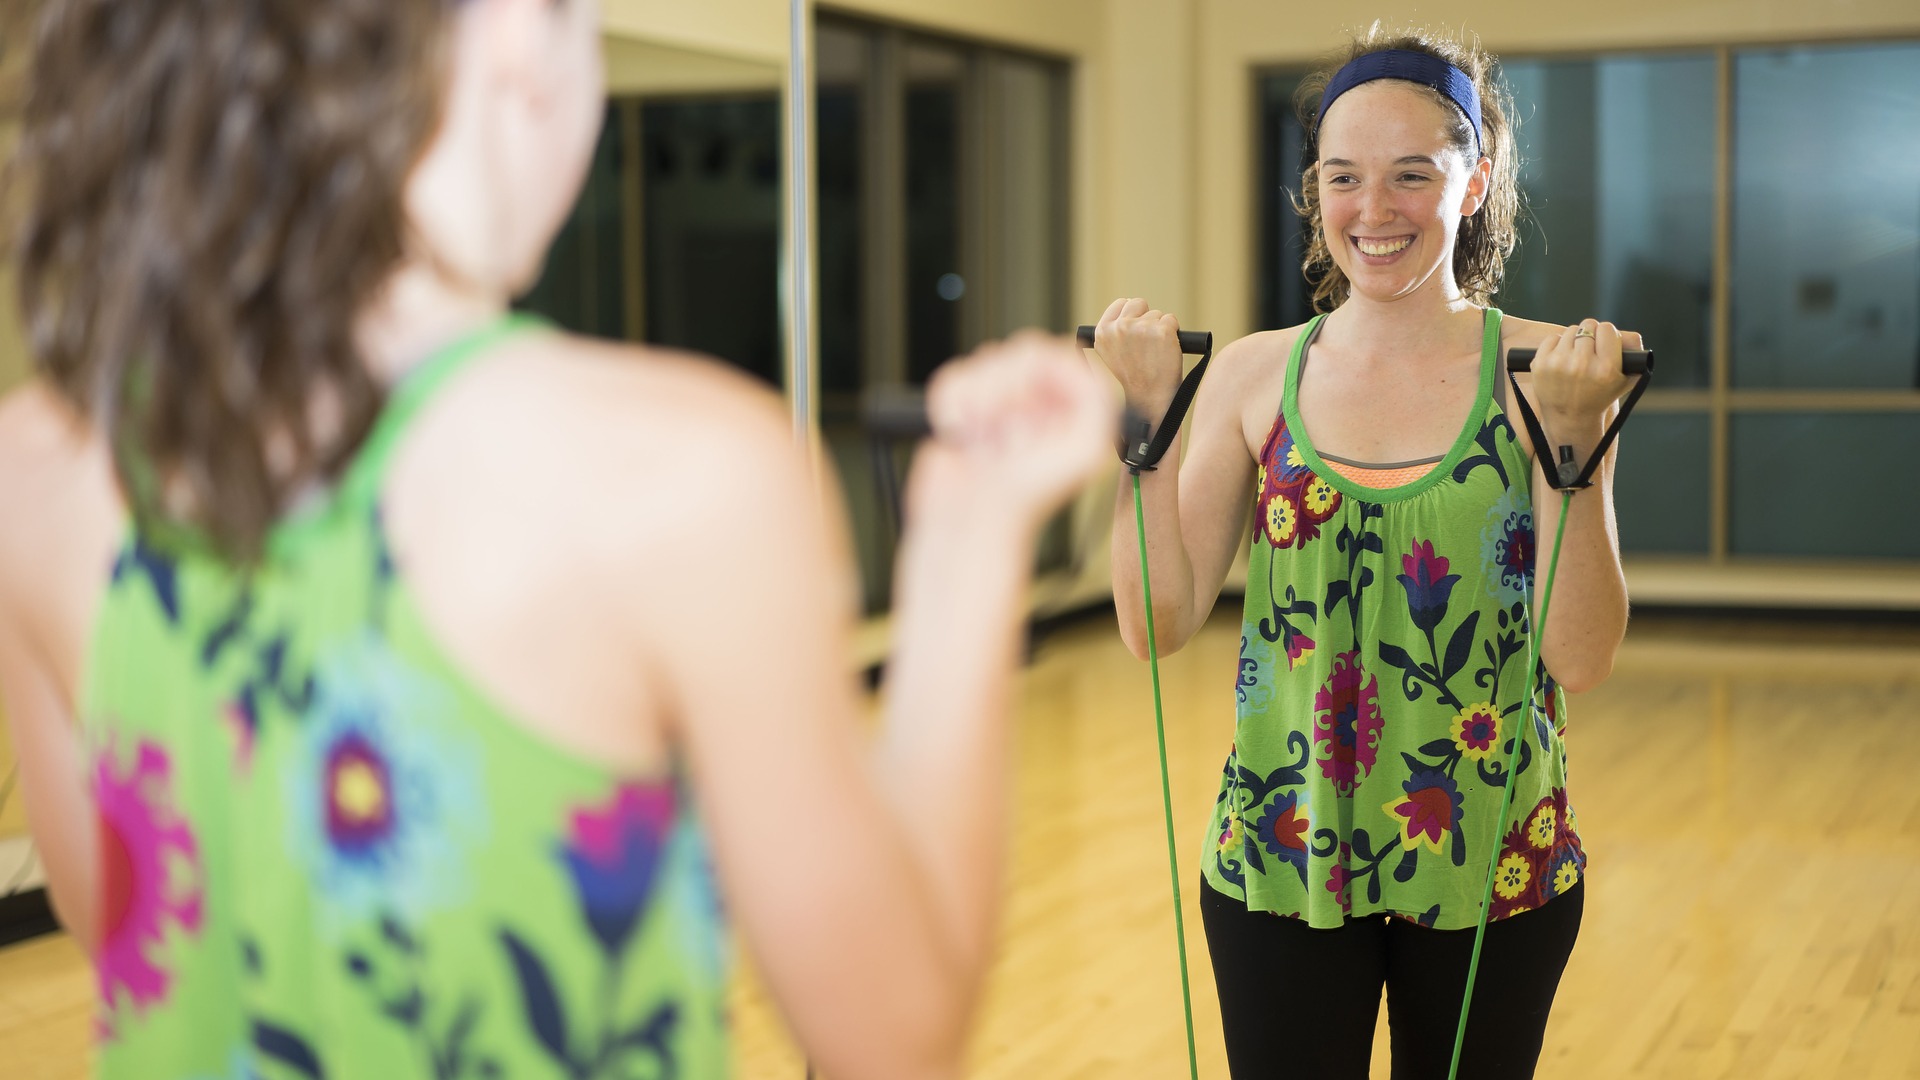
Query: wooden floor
x=1750, y=799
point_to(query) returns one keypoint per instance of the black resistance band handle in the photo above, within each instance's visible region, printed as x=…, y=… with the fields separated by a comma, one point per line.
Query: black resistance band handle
x=1632, y=361
x=1567, y=474
x=1144, y=446
x=1192, y=342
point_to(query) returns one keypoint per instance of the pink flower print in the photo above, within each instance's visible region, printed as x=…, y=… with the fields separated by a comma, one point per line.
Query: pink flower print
x=1347, y=720
x=1299, y=647
x=614, y=855
x=150, y=875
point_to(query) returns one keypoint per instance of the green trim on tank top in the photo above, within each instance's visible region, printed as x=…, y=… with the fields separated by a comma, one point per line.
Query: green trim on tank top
x=359, y=486
x=1476, y=419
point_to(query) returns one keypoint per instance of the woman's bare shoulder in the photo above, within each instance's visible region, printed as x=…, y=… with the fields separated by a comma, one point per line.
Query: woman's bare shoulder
x=1261, y=349
x=54, y=468
x=60, y=510
x=603, y=439
x=1516, y=332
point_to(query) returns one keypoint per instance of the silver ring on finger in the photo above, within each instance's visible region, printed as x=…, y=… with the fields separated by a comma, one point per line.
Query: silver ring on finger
x=1582, y=332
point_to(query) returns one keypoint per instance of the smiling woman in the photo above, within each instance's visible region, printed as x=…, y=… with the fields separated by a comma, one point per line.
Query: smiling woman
x=1388, y=706
x=1476, y=126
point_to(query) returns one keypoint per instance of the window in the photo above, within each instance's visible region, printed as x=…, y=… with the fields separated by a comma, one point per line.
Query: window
x=676, y=237
x=942, y=224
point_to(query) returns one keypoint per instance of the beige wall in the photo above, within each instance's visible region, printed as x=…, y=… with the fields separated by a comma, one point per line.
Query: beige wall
x=751, y=29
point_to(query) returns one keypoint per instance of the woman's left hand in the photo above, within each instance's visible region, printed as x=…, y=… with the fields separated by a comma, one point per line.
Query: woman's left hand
x=1576, y=373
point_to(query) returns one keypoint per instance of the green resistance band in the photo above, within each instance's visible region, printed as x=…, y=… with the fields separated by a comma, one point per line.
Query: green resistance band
x=1522, y=732
x=1166, y=788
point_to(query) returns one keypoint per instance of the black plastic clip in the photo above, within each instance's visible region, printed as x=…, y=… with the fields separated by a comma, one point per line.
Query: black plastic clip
x=1144, y=445
x=1568, y=474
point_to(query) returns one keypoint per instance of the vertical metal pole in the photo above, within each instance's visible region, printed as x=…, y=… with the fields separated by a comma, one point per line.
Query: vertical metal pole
x=1720, y=384
x=800, y=231
x=633, y=217
x=800, y=364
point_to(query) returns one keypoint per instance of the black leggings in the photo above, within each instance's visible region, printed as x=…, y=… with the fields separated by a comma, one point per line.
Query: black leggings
x=1296, y=1001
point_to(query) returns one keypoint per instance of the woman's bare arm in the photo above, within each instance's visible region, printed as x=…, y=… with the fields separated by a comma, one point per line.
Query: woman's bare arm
x=865, y=876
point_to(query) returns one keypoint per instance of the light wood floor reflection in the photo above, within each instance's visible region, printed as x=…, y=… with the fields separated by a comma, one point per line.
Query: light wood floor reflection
x=1750, y=799
x=1749, y=796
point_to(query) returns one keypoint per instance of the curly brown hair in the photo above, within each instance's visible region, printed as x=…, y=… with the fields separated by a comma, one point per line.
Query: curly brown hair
x=1488, y=237
x=210, y=192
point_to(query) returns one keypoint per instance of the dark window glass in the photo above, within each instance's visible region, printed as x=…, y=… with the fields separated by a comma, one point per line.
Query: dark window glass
x=1617, y=166
x=942, y=221
x=1826, y=218
x=712, y=195
x=1285, y=298
x=1662, y=489
x=936, y=282
x=1826, y=484
x=843, y=65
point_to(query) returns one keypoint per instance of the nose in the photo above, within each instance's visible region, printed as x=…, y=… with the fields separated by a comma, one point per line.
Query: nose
x=1376, y=207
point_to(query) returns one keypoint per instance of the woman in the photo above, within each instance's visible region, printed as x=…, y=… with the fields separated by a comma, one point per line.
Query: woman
x=1390, y=595
x=372, y=746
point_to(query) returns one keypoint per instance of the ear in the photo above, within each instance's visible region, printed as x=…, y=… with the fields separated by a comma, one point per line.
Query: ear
x=1479, y=183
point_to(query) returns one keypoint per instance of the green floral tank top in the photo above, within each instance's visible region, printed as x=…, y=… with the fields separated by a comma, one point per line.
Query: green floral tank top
x=325, y=853
x=1381, y=681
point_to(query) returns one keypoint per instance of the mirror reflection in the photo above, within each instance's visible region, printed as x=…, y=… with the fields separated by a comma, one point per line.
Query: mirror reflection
x=1752, y=208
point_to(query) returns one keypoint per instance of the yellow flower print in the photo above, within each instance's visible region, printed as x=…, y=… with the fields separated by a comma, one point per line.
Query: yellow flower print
x=1512, y=876
x=1566, y=877
x=1293, y=456
x=1476, y=730
x=1261, y=484
x=1229, y=830
x=1321, y=498
x=1281, y=520
x=1540, y=830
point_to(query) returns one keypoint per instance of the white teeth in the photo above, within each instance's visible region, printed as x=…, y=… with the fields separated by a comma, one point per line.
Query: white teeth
x=1383, y=247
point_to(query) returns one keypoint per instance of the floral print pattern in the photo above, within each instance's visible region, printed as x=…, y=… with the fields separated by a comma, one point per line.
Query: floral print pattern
x=151, y=880
x=1540, y=857
x=1382, y=691
x=613, y=854
x=1293, y=502
x=377, y=793
x=1347, y=722
x=327, y=852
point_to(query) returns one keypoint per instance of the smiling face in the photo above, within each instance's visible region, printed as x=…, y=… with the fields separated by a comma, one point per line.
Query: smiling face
x=1394, y=185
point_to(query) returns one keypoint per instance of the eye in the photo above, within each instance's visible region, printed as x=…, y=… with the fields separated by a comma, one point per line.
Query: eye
x=1339, y=179
x=1414, y=178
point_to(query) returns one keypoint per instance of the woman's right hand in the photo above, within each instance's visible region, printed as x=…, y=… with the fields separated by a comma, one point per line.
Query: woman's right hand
x=1141, y=346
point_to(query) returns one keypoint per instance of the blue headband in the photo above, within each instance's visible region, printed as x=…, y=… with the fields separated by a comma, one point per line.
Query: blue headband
x=1414, y=67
